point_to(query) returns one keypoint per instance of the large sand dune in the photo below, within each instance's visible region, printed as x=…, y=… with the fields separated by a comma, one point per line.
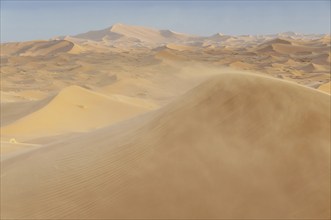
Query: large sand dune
x=134, y=33
x=238, y=146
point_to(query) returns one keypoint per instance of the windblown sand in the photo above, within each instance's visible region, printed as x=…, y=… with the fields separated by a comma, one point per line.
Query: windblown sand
x=132, y=122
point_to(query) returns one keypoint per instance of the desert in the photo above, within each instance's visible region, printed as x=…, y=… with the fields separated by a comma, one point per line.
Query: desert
x=132, y=122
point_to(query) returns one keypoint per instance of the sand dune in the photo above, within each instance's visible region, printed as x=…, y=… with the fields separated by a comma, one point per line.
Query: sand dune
x=322, y=59
x=265, y=49
x=13, y=111
x=179, y=47
x=293, y=63
x=10, y=97
x=74, y=109
x=168, y=54
x=230, y=148
x=326, y=39
x=14, y=48
x=313, y=68
x=77, y=49
x=277, y=41
x=135, y=33
x=269, y=45
x=242, y=65
x=290, y=49
x=36, y=48
x=326, y=87
x=219, y=36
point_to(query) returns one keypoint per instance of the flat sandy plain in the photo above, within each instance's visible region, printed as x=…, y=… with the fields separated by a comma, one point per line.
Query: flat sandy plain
x=132, y=122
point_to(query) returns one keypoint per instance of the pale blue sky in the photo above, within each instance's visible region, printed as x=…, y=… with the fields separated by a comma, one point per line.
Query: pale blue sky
x=31, y=20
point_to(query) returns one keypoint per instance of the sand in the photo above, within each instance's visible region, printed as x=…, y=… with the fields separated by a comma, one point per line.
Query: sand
x=326, y=87
x=199, y=157
x=37, y=48
x=74, y=109
x=134, y=122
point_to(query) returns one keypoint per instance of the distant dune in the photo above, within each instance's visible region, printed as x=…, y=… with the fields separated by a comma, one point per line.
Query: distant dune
x=242, y=65
x=277, y=41
x=169, y=54
x=326, y=39
x=238, y=146
x=179, y=47
x=37, y=48
x=290, y=49
x=120, y=32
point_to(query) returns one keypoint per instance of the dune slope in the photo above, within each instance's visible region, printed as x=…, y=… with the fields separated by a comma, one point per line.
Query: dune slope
x=37, y=48
x=74, y=109
x=11, y=112
x=238, y=146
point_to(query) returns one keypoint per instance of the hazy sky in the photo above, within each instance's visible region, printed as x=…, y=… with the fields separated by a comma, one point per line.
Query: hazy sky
x=30, y=20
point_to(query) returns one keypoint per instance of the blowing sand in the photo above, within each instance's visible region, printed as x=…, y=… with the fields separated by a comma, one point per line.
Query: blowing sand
x=199, y=157
x=133, y=122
